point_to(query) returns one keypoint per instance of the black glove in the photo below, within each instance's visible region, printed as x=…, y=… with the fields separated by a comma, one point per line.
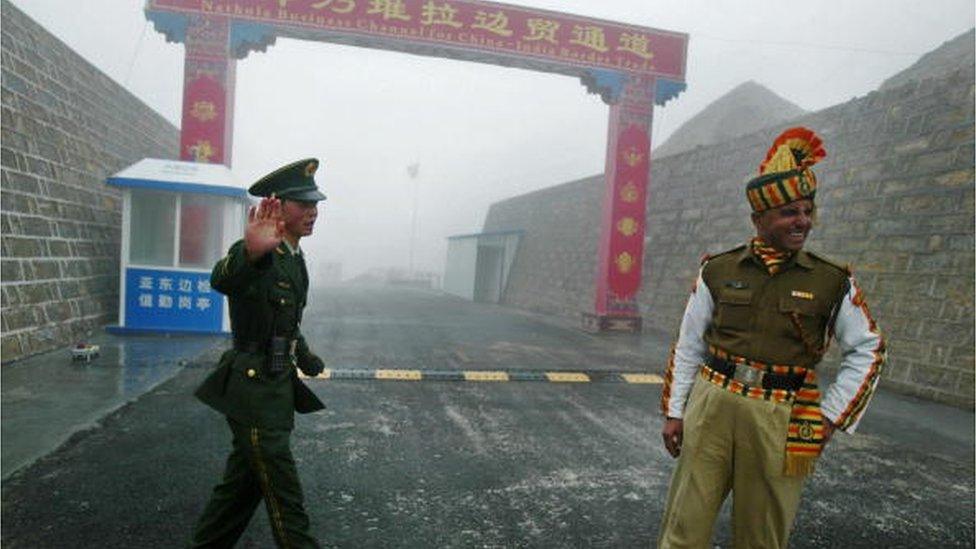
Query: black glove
x=311, y=365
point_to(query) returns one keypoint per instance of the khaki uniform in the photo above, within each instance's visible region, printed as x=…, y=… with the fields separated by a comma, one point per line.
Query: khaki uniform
x=735, y=435
x=266, y=300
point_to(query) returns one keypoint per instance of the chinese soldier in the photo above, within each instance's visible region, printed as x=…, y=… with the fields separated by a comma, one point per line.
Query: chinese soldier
x=742, y=405
x=255, y=384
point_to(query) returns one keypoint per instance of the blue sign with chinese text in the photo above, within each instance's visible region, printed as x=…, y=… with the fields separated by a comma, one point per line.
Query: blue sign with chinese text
x=172, y=300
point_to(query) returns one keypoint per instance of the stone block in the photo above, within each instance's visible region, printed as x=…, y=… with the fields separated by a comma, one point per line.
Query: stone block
x=38, y=292
x=44, y=338
x=966, y=386
x=958, y=309
x=44, y=269
x=934, y=376
x=879, y=261
x=936, y=262
x=22, y=182
x=18, y=318
x=35, y=226
x=47, y=208
x=11, y=270
x=915, y=145
x=905, y=243
x=959, y=242
x=58, y=248
x=939, y=354
x=937, y=330
x=9, y=158
x=14, y=82
x=39, y=167
x=863, y=209
x=956, y=179
x=906, y=349
x=23, y=247
x=930, y=204
x=17, y=202
x=58, y=311
x=69, y=289
x=10, y=348
x=76, y=268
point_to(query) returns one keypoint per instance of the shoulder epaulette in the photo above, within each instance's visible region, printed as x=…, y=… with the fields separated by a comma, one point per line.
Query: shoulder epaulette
x=843, y=267
x=709, y=257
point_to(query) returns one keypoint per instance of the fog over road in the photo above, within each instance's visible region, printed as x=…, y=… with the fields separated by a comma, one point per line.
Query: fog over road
x=474, y=464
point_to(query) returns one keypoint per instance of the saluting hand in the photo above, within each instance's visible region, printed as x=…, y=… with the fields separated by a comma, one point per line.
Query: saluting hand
x=265, y=228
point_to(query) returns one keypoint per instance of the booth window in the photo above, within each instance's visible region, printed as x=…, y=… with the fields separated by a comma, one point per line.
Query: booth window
x=201, y=230
x=151, y=224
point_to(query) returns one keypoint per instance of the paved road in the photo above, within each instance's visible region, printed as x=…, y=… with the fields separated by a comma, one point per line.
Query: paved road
x=474, y=464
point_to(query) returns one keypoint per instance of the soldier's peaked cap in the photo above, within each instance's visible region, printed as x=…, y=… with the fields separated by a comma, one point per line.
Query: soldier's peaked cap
x=294, y=181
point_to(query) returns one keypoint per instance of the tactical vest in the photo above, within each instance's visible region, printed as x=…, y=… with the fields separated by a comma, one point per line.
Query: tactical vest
x=778, y=319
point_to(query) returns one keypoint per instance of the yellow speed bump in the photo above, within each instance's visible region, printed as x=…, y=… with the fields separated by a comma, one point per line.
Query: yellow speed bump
x=326, y=374
x=399, y=375
x=567, y=377
x=485, y=376
x=642, y=378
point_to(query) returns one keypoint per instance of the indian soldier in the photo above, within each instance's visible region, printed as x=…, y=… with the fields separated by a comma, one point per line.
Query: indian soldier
x=255, y=384
x=741, y=399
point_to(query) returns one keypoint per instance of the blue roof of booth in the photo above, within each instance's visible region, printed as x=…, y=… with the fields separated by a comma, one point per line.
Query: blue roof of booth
x=178, y=176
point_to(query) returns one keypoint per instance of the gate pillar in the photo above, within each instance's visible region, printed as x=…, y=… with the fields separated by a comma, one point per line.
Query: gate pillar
x=206, y=134
x=621, y=251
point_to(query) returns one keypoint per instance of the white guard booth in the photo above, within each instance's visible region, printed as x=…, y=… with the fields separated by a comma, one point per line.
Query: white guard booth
x=178, y=219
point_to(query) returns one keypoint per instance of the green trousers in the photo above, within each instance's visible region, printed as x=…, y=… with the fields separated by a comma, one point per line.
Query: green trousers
x=260, y=466
x=731, y=443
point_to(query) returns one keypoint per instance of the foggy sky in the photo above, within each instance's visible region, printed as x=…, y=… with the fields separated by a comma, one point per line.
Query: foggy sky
x=483, y=133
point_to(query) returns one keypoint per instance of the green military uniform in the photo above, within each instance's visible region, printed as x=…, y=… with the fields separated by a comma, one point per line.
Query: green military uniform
x=257, y=395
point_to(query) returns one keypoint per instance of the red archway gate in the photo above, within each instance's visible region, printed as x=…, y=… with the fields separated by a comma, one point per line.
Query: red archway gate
x=633, y=68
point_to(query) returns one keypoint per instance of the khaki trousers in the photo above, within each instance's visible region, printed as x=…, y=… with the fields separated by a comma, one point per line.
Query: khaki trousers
x=737, y=443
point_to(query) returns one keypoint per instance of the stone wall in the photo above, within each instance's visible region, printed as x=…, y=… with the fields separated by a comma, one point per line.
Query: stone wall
x=896, y=202
x=65, y=127
x=553, y=268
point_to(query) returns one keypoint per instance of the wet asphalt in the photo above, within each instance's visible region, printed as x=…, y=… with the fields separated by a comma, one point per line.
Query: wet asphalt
x=473, y=464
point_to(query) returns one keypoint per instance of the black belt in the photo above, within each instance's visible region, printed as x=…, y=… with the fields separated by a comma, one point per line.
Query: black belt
x=767, y=380
x=255, y=346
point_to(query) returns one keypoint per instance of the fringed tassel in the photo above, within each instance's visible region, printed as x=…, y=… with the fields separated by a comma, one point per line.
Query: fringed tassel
x=799, y=465
x=804, y=439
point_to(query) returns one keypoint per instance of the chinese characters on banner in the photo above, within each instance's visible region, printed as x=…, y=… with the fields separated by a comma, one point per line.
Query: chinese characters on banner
x=173, y=300
x=504, y=29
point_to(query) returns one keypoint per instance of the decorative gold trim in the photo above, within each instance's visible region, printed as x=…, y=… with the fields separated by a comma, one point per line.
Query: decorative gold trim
x=269, y=496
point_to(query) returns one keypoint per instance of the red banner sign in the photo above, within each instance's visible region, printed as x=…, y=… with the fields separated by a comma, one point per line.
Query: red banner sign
x=202, y=136
x=511, y=32
x=627, y=236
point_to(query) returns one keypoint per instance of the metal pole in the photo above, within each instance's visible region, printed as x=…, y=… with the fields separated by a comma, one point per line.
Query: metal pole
x=413, y=170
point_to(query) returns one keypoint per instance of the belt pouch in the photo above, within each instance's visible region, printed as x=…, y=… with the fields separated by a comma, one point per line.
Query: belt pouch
x=279, y=355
